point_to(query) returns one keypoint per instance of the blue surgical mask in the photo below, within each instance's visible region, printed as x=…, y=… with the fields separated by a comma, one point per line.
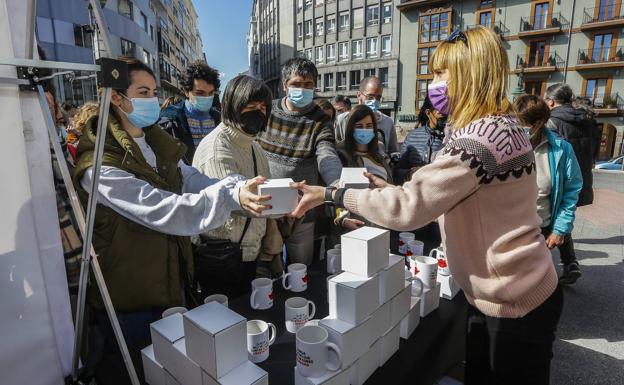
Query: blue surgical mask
x=145, y=111
x=300, y=97
x=372, y=104
x=363, y=135
x=202, y=103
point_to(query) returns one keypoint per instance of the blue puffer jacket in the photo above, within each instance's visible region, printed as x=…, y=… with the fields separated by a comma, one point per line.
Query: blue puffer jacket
x=567, y=183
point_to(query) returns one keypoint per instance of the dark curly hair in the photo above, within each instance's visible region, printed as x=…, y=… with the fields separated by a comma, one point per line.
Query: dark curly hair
x=201, y=71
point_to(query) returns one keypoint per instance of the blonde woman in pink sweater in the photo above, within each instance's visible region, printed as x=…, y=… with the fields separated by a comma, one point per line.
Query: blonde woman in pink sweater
x=482, y=187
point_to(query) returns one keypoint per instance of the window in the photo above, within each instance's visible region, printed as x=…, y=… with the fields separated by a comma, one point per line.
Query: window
x=386, y=45
x=341, y=81
x=485, y=19
x=143, y=22
x=343, y=21
x=602, y=46
x=607, y=10
x=386, y=14
x=422, y=91
x=371, y=47
x=331, y=24
x=318, y=82
x=320, y=27
x=540, y=19
x=486, y=3
x=124, y=7
x=329, y=82
x=358, y=18
x=82, y=38
x=372, y=15
x=434, y=27
x=163, y=24
x=319, y=55
x=146, y=57
x=152, y=32
x=383, y=76
x=355, y=79
x=318, y=3
x=356, y=49
x=331, y=53
x=127, y=47
x=537, y=53
x=308, y=53
x=307, y=28
x=299, y=31
x=343, y=51
x=595, y=90
x=369, y=72
x=308, y=4
x=423, y=60
x=533, y=87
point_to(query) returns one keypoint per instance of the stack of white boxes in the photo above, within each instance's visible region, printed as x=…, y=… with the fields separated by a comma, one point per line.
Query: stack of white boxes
x=204, y=346
x=366, y=305
x=448, y=286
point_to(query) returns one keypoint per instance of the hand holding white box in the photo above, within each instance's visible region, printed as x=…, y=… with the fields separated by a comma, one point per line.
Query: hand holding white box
x=283, y=198
x=365, y=251
x=353, y=177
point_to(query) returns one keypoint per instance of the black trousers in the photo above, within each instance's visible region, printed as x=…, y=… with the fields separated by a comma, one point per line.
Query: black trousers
x=566, y=249
x=506, y=351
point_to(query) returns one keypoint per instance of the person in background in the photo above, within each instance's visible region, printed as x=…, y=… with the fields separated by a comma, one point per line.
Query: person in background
x=194, y=118
x=170, y=101
x=231, y=149
x=310, y=150
x=482, y=186
x=342, y=104
x=148, y=204
x=559, y=182
x=422, y=143
x=370, y=94
x=328, y=108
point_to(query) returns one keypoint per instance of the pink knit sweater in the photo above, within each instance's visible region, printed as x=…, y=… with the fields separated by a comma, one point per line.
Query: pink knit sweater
x=482, y=186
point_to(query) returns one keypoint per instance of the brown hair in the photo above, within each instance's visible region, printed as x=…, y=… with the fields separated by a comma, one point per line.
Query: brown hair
x=532, y=109
x=326, y=105
x=85, y=112
x=356, y=114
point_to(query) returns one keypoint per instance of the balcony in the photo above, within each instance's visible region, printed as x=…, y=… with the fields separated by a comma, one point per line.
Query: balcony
x=412, y=4
x=601, y=58
x=605, y=105
x=534, y=63
x=499, y=28
x=607, y=16
x=542, y=27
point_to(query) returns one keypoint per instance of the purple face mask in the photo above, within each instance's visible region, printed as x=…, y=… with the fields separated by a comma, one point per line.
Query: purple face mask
x=438, y=95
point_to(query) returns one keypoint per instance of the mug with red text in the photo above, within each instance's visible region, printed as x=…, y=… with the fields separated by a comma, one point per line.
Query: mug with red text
x=297, y=277
x=440, y=256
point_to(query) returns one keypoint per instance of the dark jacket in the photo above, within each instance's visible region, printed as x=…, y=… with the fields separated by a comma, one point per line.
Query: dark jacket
x=143, y=268
x=418, y=149
x=582, y=132
x=173, y=120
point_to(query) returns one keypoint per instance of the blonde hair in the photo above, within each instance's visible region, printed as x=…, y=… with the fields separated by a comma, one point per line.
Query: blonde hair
x=85, y=112
x=478, y=75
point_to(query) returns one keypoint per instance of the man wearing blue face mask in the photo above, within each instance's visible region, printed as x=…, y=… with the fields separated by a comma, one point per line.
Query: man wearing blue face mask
x=370, y=94
x=192, y=119
x=299, y=144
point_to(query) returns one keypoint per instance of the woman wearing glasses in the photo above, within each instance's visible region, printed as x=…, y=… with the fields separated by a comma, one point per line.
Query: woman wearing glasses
x=482, y=186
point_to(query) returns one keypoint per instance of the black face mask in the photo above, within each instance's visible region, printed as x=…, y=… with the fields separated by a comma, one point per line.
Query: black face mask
x=253, y=121
x=441, y=123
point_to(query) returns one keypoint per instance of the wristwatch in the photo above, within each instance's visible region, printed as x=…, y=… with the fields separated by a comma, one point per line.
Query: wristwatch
x=328, y=195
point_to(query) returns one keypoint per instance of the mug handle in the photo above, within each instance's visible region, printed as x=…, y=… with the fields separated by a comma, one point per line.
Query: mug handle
x=274, y=333
x=420, y=285
x=336, y=349
x=284, y=281
x=252, y=299
x=311, y=314
x=432, y=252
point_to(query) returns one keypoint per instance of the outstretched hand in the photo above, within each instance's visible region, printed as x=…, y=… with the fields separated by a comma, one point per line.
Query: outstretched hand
x=312, y=196
x=375, y=181
x=249, y=199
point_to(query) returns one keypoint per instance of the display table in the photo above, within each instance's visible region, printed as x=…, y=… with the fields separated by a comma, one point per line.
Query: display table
x=434, y=347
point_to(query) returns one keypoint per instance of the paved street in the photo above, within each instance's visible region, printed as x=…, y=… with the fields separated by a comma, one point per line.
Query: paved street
x=590, y=340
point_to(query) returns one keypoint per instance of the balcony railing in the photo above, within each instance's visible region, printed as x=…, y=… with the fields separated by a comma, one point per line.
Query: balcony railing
x=601, y=55
x=556, y=21
x=536, y=61
x=601, y=102
x=607, y=12
x=498, y=28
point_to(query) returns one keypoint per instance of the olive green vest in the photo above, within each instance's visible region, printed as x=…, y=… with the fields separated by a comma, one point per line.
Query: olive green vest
x=141, y=267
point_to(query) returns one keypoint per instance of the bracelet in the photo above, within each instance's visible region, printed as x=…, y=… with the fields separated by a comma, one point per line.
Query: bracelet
x=339, y=198
x=328, y=195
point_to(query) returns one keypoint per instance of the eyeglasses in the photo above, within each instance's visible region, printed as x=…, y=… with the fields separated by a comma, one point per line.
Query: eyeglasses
x=457, y=35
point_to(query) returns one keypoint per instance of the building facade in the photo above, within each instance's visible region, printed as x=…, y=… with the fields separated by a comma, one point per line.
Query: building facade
x=547, y=41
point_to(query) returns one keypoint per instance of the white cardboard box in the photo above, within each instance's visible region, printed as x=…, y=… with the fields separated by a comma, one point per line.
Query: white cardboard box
x=283, y=198
x=381, y=321
x=430, y=300
x=353, y=177
x=366, y=365
x=153, y=370
x=170, y=380
x=391, y=278
x=400, y=305
x=389, y=344
x=353, y=340
x=365, y=250
x=448, y=286
x=216, y=338
x=164, y=333
x=246, y=374
x=185, y=370
x=338, y=377
x=350, y=297
x=412, y=319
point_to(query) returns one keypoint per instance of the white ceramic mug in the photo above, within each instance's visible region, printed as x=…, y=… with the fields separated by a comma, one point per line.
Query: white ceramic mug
x=298, y=312
x=174, y=310
x=260, y=335
x=312, y=351
x=415, y=248
x=298, y=274
x=337, y=246
x=417, y=286
x=221, y=298
x=440, y=256
x=404, y=238
x=334, y=261
x=261, y=293
x=425, y=269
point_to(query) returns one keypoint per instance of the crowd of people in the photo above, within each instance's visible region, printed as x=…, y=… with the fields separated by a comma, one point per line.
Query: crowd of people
x=179, y=216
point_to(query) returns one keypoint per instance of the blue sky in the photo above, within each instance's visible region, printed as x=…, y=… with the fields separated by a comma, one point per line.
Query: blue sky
x=223, y=26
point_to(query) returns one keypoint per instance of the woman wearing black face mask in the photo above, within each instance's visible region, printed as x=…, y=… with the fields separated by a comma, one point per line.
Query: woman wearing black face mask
x=231, y=149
